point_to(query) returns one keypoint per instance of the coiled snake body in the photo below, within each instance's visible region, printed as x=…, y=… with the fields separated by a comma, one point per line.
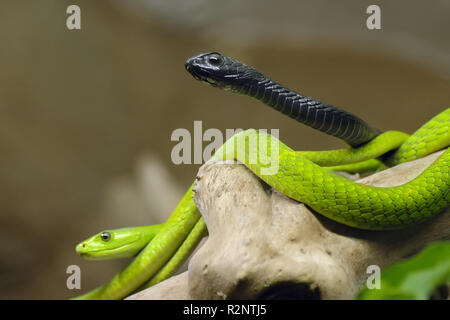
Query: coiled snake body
x=301, y=175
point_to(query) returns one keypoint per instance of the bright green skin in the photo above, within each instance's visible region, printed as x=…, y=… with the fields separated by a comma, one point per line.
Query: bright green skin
x=358, y=160
x=342, y=200
x=370, y=165
x=184, y=251
x=153, y=258
x=350, y=203
x=122, y=243
x=415, y=278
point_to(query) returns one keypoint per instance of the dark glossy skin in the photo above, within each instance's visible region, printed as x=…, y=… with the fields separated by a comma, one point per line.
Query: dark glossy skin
x=230, y=74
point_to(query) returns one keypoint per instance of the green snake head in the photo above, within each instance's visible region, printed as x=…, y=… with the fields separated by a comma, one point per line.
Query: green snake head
x=117, y=243
x=223, y=72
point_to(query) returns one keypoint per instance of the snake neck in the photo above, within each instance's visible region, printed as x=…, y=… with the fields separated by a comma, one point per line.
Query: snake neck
x=313, y=113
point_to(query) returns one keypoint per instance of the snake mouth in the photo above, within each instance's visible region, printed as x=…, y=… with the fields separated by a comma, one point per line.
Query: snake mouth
x=105, y=252
x=201, y=74
x=191, y=69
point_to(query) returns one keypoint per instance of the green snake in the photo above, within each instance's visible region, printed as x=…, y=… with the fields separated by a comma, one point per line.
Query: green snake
x=117, y=243
x=304, y=176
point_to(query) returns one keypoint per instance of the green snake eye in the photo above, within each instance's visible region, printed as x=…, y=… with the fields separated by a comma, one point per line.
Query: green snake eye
x=105, y=236
x=215, y=60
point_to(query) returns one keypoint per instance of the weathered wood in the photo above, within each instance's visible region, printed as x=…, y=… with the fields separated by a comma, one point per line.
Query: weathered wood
x=263, y=243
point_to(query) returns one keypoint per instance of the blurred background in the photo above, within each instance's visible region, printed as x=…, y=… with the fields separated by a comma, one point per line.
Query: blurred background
x=86, y=116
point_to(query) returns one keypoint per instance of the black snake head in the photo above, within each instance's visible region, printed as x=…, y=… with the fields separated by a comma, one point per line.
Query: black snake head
x=222, y=72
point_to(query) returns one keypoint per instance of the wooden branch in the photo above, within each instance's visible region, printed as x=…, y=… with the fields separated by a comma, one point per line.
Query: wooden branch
x=262, y=244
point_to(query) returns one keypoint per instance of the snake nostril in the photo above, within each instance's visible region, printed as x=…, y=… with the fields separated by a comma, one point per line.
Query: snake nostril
x=84, y=245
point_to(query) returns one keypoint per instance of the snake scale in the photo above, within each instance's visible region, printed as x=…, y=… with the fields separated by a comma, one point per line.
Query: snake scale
x=301, y=175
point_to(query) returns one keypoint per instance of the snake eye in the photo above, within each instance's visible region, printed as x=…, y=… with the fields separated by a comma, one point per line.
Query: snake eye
x=215, y=60
x=105, y=236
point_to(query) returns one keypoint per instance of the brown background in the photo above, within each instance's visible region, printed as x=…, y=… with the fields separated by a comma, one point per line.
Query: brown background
x=86, y=116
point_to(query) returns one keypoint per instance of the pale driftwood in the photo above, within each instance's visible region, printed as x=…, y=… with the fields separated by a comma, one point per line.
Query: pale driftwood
x=263, y=244
x=174, y=288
